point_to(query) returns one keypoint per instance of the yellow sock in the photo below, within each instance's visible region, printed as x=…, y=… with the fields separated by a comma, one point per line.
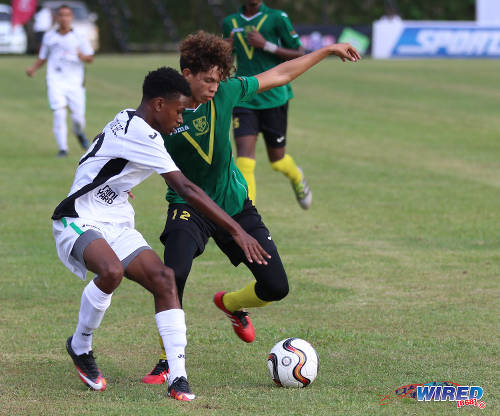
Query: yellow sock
x=288, y=168
x=163, y=355
x=243, y=298
x=247, y=167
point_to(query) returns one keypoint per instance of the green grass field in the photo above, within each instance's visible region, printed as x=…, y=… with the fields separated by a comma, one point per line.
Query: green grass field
x=394, y=271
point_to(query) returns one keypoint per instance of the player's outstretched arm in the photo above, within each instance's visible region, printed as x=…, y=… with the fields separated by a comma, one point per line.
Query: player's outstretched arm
x=286, y=72
x=32, y=69
x=198, y=199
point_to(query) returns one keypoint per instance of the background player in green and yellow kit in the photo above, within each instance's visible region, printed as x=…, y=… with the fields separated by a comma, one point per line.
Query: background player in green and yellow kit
x=201, y=148
x=263, y=38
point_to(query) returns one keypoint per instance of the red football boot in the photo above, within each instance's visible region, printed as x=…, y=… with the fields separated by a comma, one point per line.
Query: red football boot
x=158, y=375
x=240, y=320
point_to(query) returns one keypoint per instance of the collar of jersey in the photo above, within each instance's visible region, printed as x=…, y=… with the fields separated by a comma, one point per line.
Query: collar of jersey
x=194, y=109
x=263, y=8
x=59, y=33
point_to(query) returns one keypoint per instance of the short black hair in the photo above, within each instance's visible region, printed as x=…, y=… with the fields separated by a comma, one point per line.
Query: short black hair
x=64, y=6
x=165, y=82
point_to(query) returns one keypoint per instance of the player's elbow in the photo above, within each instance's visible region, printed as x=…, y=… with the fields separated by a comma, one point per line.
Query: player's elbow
x=180, y=184
x=187, y=191
x=283, y=79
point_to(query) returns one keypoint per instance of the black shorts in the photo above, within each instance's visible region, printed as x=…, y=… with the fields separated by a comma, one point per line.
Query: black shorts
x=184, y=217
x=271, y=122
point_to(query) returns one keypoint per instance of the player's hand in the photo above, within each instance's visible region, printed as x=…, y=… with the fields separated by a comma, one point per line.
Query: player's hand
x=251, y=247
x=131, y=195
x=81, y=56
x=254, y=38
x=30, y=71
x=345, y=51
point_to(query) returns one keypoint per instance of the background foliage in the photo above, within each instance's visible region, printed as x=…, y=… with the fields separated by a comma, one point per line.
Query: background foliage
x=145, y=24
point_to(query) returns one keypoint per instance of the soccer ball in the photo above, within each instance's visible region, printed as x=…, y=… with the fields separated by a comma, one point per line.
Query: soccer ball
x=293, y=362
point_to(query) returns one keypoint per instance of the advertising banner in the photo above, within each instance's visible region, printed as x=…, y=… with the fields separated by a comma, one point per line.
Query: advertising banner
x=413, y=39
x=314, y=37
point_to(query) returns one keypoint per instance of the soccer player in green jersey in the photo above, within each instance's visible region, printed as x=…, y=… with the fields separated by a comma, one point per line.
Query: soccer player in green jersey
x=263, y=38
x=201, y=148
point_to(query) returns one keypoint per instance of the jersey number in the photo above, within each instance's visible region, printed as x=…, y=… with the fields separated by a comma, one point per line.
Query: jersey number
x=184, y=215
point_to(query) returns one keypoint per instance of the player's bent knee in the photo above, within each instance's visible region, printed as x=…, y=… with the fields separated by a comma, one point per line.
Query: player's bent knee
x=112, y=273
x=278, y=292
x=164, y=281
x=273, y=291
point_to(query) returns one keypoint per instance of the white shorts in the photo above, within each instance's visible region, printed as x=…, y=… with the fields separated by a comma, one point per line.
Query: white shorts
x=61, y=95
x=124, y=240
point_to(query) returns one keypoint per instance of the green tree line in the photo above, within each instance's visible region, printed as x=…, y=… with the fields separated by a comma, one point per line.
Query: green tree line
x=144, y=23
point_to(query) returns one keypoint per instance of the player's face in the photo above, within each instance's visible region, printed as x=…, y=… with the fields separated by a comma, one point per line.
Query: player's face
x=253, y=4
x=169, y=113
x=203, y=85
x=64, y=17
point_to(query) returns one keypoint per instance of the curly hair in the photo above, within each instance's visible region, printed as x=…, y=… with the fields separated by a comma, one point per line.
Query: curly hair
x=165, y=82
x=201, y=51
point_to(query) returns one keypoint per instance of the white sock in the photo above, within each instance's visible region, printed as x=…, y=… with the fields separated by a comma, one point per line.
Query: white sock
x=93, y=305
x=172, y=327
x=60, y=128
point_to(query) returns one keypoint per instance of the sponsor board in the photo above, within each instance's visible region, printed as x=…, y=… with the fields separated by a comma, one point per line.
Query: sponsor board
x=407, y=39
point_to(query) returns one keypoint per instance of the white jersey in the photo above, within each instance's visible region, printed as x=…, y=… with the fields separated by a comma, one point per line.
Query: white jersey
x=126, y=152
x=61, y=53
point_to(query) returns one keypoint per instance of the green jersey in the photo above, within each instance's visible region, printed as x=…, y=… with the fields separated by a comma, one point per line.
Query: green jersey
x=275, y=26
x=201, y=146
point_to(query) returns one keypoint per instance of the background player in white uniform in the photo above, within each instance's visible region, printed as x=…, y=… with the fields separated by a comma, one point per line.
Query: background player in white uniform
x=94, y=226
x=65, y=52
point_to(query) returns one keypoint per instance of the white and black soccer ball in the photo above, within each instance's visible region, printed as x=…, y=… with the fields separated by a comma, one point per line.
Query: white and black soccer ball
x=293, y=362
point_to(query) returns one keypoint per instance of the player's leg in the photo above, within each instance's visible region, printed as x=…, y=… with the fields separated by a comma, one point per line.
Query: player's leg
x=185, y=235
x=89, y=251
x=271, y=281
x=147, y=269
x=180, y=249
x=58, y=103
x=76, y=103
x=60, y=131
x=274, y=126
x=99, y=258
x=271, y=285
x=246, y=129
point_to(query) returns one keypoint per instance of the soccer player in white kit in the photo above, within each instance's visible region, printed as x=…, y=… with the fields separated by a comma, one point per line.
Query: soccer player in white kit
x=66, y=53
x=94, y=226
